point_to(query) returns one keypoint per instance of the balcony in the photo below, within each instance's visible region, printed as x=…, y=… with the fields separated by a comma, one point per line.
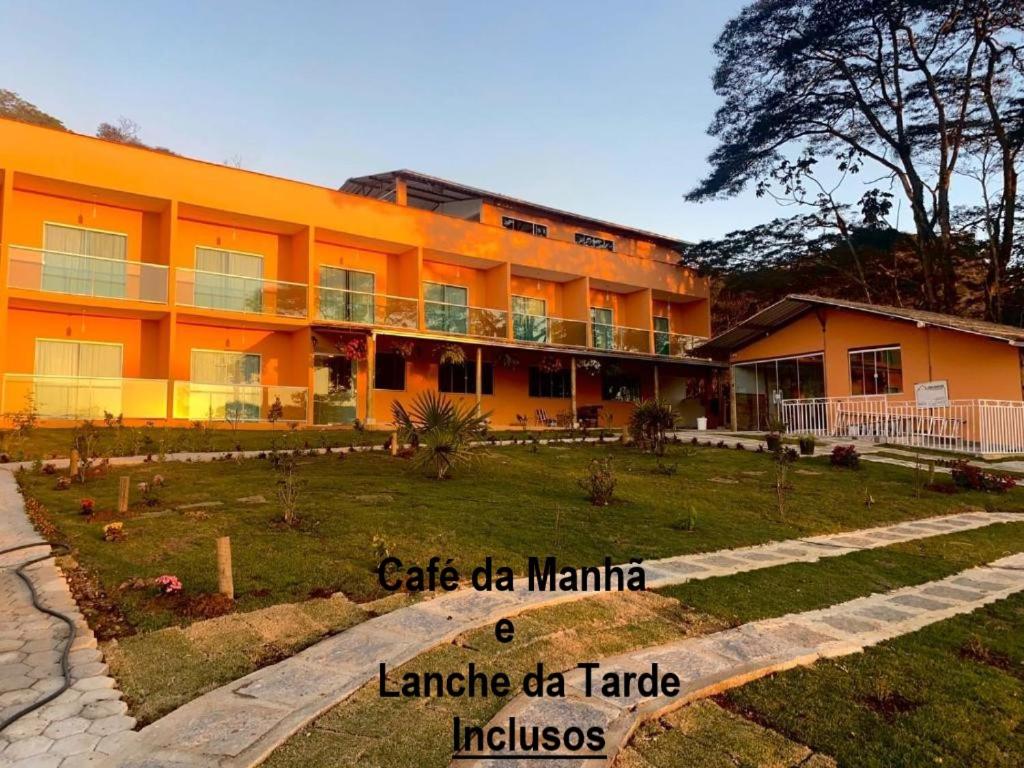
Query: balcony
x=675, y=344
x=336, y=305
x=466, y=321
x=235, y=293
x=620, y=338
x=76, y=274
x=238, y=402
x=542, y=329
x=80, y=398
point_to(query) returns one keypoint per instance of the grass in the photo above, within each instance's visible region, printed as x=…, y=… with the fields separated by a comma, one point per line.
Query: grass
x=51, y=443
x=369, y=731
x=516, y=504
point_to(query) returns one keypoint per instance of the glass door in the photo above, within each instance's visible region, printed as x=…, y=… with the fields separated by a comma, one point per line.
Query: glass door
x=529, y=319
x=601, y=325
x=446, y=307
x=334, y=390
x=661, y=337
x=346, y=295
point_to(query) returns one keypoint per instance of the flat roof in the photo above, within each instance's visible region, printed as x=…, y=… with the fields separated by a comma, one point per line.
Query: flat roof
x=439, y=191
x=795, y=305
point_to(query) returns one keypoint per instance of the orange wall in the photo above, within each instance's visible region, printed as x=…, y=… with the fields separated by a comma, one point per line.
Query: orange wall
x=138, y=337
x=974, y=366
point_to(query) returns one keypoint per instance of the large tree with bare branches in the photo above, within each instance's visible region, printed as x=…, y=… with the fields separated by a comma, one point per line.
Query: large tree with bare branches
x=913, y=88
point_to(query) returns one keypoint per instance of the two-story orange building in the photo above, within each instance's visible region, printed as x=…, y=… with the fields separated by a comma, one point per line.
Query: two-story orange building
x=157, y=287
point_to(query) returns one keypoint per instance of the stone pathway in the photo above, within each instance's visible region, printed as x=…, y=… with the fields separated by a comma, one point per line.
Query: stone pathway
x=239, y=724
x=83, y=724
x=713, y=663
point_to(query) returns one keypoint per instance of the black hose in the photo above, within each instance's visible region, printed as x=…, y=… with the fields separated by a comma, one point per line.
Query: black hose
x=64, y=666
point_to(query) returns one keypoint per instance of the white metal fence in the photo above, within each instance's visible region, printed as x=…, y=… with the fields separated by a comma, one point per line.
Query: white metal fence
x=969, y=426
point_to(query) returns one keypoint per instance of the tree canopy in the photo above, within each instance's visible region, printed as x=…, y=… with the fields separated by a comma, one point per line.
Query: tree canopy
x=13, y=107
x=921, y=91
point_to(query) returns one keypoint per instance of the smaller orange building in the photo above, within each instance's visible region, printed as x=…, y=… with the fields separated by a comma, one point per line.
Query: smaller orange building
x=810, y=349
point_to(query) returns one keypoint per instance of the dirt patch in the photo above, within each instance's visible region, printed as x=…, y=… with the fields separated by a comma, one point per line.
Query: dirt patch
x=977, y=651
x=890, y=704
x=102, y=614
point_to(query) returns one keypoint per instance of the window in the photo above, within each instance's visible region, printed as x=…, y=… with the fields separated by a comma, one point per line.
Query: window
x=445, y=307
x=661, y=336
x=84, y=262
x=550, y=383
x=876, y=371
x=620, y=387
x=346, y=295
x=460, y=379
x=77, y=379
x=228, y=280
x=521, y=225
x=592, y=241
x=225, y=385
x=602, y=328
x=529, y=319
x=389, y=371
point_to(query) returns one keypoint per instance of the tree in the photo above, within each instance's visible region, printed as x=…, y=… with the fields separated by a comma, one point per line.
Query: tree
x=124, y=131
x=13, y=107
x=907, y=86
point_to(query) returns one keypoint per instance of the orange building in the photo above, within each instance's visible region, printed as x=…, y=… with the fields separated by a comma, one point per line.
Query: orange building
x=821, y=364
x=158, y=287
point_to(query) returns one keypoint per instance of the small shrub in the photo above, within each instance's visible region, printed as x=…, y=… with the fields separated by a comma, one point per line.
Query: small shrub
x=288, y=488
x=665, y=469
x=970, y=477
x=845, y=456
x=773, y=440
x=599, y=483
x=740, y=447
x=784, y=457
x=49, y=469
x=806, y=443
x=63, y=483
x=86, y=506
x=168, y=584
x=649, y=423
x=114, y=532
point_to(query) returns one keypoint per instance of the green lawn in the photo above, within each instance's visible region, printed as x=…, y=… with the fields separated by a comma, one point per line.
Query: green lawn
x=380, y=733
x=516, y=503
x=47, y=443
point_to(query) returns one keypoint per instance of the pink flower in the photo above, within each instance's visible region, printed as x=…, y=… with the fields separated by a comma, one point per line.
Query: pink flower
x=168, y=584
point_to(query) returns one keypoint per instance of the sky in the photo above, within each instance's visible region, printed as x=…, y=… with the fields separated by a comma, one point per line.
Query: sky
x=592, y=106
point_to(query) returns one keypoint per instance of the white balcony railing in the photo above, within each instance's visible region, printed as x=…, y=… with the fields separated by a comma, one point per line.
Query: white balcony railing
x=77, y=274
x=238, y=402
x=81, y=398
x=968, y=426
x=235, y=293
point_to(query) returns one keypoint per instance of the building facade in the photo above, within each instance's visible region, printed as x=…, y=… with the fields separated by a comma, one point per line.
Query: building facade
x=160, y=288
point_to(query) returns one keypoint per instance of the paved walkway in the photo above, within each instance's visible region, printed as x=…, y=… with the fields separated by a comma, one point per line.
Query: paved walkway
x=84, y=723
x=710, y=664
x=242, y=722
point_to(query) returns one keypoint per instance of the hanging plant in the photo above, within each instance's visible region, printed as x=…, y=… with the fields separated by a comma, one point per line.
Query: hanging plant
x=613, y=369
x=550, y=364
x=591, y=366
x=452, y=354
x=508, y=361
x=355, y=349
x=404, y=349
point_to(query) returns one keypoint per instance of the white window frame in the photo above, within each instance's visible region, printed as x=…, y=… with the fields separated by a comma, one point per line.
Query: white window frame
x=224, y=352
x=874, y=350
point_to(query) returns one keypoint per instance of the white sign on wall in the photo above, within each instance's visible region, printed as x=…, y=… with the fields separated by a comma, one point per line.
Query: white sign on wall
x=932, y=394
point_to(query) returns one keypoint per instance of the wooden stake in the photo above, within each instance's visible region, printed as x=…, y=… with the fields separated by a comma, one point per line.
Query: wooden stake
x=122, y=495
x=225, y=579
x=394, y=443
x=73, y=466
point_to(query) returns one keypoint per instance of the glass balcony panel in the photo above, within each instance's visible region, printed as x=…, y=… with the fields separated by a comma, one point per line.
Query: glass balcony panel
x=234, y=293
x=531, y=328
x=539, y=329
x=77, y=274
x=465, y=321
x=347, y=306
x=620, y=338
x=675, y=344
x=237, y=402
x=86, y=398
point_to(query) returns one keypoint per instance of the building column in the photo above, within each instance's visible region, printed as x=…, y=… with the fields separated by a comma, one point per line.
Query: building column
x=371, y=364
x=733, y=420
x=657, y=390
x=479, y=380
x=572, y=386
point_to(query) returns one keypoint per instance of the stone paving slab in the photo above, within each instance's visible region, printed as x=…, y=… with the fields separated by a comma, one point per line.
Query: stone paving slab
x=285, y=696
x=713, y=663
x=78, y=727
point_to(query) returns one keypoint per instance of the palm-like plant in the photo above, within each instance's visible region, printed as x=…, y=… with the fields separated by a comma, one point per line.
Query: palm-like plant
x=650, y=421
x=445, y=432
